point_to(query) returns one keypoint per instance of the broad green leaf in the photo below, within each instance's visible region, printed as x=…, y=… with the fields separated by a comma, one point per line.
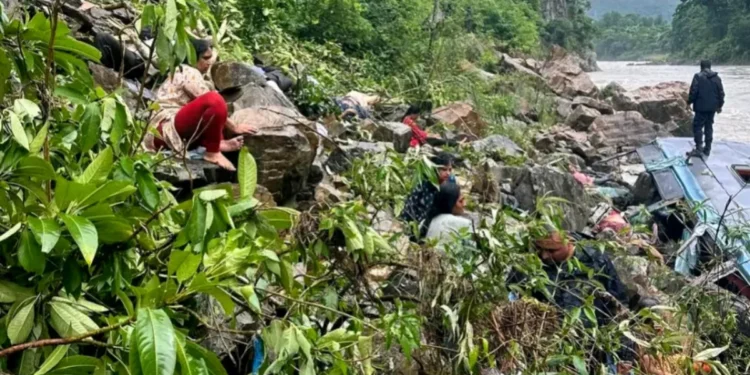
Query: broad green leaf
x=213, y=363
x=10, y=292
x=113, y=230
x=247, y=174
x=33, y=166
x=82, y=305
x=76, y=364
x=184, y=264
x=46, y=232
x=354, y=239
x=280, y=218
x=53, y=359
x=30, y=254
x=79, y=48
x=99, y=168
x=134, y=359
x=709, y=353
x=69, y=321
x=22, y=322
x=170, y=19
x=221, y=296
x=109, y=109
x=242, y=206
x=197, y=222
x=110, y=190
x=89, y=132
x=365, y=354
x=13, y=230
x=16, y=129
x=67, y=192
x=29, y=361
x=38, y=142
x=304, y=344
x=580, y=365
x=119, y=125
x=84, y=234
x=147, y=187
x=156, y=342
x=287, y=275
x=212, y=195
x=25, y=107
x=248, y=291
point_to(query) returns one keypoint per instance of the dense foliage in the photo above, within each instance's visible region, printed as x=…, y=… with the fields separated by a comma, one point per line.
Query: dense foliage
x=647, y=8
x=573, y=29
x=709, y=29
x=631, y=37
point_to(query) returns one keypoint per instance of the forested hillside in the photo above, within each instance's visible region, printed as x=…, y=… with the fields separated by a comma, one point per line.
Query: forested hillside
x=632, y=37
x=648, y=8
x=711, y=29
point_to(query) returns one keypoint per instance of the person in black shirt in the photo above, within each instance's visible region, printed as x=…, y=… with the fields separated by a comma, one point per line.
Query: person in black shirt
x=707, y=98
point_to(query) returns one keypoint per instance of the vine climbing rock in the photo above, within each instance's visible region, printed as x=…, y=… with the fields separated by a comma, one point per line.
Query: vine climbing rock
x=565, y=76
x=462, y=116
x=665, y=103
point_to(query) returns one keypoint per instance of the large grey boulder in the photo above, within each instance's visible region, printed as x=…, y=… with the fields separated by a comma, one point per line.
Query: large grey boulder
x=665, y=103
x=232, y=74
x=462, y=117
x=511, y=65
x=533, y=183
x=497, y=145
x=393, y=132
x=284, y=156
x=629, y=129
x=342, y=157
x=603, y=107
x=581, y=118
x=257, y=95
x=564, y=75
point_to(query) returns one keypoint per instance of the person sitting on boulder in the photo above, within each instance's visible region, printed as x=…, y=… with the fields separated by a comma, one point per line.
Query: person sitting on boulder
x=446, y=219
x=417, y=205
x=418, y=136
x=192, y=114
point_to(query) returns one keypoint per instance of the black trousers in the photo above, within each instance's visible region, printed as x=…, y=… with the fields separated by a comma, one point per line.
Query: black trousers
x=112, y=57
x=703, y=123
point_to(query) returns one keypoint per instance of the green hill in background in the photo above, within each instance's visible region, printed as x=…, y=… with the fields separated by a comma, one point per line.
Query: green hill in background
x=650, y=8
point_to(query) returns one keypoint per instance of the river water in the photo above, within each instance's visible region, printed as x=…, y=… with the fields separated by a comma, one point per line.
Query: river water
x=732, y=124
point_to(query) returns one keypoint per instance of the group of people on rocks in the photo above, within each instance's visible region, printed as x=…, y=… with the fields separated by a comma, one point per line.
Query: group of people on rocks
x=437, y=215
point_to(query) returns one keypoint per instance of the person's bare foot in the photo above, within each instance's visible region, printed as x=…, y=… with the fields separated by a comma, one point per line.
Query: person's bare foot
x=219, y=159
x=234, y=144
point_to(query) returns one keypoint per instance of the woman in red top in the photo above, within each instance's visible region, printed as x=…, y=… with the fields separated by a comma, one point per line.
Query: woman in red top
x=418, y=136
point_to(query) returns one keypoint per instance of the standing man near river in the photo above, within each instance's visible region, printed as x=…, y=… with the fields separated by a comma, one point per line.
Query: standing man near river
x=707, y=99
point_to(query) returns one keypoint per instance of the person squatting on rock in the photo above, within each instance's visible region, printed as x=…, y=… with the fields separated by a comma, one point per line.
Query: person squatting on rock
x=192, y=114
x=707, y=99
x=418, y=204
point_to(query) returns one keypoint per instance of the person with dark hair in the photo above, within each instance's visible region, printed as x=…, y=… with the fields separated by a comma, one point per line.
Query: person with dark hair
x=445, y=219
x=418, y=136
x=417, y=205
x=192, y=114
x=707, y=98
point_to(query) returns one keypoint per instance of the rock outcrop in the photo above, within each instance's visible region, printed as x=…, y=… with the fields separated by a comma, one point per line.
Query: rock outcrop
x=511, y=65
x=533, y=183
x=603, y=107
x=232, y=75
x=629, y=129
x=497, y=145
x=581, y=118
x=284, y=156
x=565, y=77
x=393, y=132
x=665, y=103
x=462, y=116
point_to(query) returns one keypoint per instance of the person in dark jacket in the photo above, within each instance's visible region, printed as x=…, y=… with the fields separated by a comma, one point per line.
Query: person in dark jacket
x=707, y=99
x=418, y=205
